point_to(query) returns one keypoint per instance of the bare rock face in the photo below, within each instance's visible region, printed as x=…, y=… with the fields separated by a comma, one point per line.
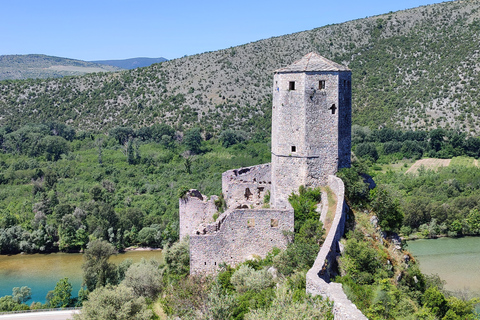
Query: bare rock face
x=374, y=221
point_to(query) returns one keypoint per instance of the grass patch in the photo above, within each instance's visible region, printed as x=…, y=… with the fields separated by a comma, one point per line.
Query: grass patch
x=467, y=162
x=332, y=207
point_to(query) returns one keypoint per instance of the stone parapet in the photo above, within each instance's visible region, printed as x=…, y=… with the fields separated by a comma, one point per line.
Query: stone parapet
x=318, y=277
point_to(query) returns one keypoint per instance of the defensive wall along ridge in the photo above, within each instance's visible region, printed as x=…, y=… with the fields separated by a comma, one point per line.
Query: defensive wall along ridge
x=318, y=277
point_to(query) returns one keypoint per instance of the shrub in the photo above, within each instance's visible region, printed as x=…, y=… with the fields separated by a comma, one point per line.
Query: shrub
x=248, y=279
x=144, y=278
x=118, y=303
x=177, y=258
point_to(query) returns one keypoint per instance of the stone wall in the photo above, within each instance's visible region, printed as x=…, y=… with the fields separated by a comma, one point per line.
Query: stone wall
x=245, y=188
x=239, y=235
x=310, y=130
x=195, y=209
x=318, y=277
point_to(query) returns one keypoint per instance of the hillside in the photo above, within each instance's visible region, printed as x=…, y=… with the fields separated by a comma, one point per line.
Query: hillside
x=131, y=63
x=416, y=68
x=34, y=66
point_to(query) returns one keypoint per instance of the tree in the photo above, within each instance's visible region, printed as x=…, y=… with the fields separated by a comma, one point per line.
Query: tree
x=61, y=296
x=435, y=300
x=144, y=278
x=304, y=205
x=177, y=257
x=148, y=236
x=367, y=150
x=114, y=303
x=122, y=134
x=21, y=295
x=97, y=271
x=388, y=211
x=231, y=137
x=53, y=147
x=193, y=140
x=436, y=139
x=62, y=130
x=7, y=303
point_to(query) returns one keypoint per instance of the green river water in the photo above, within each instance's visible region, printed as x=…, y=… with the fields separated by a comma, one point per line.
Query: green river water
x=41, y=272
x=457, y=261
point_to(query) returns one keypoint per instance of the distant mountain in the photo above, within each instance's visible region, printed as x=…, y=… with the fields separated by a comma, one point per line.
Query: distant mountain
x=34, y=66
x=411, y=69
x=131, y=63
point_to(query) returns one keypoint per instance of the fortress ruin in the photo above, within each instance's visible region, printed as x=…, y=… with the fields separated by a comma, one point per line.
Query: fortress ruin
x=311, y=140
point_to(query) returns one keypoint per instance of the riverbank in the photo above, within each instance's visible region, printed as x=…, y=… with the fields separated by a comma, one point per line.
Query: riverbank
x=142, y=249
x=40, y=272
x=418, y=236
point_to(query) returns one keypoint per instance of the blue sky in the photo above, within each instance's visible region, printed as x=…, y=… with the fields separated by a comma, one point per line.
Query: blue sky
x=120, y=29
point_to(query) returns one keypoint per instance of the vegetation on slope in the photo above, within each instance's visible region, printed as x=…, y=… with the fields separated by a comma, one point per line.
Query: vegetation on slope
x=416, y=68
x=383, y=280
x=119, y=188
x=446, y=201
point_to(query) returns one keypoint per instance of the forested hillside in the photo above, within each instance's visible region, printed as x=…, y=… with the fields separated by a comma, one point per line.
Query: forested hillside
x=416, y=68
x=33, y=66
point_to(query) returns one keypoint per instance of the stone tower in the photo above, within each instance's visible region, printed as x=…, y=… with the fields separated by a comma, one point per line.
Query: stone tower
x=311, y=125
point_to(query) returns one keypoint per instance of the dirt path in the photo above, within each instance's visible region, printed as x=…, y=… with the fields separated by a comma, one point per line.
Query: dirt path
x=429, y=163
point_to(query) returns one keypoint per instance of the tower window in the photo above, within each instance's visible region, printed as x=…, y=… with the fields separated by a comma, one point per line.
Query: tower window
x=321, y=84
x=294, y=149
x=291, y=85
x=333, y=108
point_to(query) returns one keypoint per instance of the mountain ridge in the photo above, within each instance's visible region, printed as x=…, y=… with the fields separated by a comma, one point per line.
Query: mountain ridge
x=40, y=66
x=131, y=63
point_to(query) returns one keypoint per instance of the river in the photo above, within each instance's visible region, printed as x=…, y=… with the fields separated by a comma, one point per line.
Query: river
x=456, y=261
x=40, y=272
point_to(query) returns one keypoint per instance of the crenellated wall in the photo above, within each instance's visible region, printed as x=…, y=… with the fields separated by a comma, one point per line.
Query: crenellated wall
x=318, y=277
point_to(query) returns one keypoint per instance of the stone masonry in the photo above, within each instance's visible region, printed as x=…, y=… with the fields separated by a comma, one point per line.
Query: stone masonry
x=311, y=140
x=311, y=124
x=311, y=120
x=246, y=187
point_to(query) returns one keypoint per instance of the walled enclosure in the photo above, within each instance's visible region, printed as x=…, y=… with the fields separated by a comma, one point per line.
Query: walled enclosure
x=240, y=233
x=311, y=140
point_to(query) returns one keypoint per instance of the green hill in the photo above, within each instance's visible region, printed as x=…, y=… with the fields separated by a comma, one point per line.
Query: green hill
x=34, y=66
x=416, y=68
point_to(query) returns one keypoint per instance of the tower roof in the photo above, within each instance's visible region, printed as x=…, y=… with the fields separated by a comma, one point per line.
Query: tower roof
x=313, y=62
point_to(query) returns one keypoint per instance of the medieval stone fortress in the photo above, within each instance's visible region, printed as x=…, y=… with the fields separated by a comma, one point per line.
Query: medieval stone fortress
x=311, y=141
